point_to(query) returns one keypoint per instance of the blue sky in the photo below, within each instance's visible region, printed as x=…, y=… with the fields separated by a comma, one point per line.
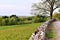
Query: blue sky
x=18, y=7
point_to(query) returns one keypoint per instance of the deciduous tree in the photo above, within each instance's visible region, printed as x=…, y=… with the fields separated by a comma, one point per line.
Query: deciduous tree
x=45, y=7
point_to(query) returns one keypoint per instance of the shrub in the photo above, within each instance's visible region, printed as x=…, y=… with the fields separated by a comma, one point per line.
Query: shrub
x=29, y=18
x=50, y=34
x=6, y=21
x=1, y=21
x=13, y=16
x=12, y=21
x=40, y=19
x=15, y=20
x=5, y=17
x=56, y=15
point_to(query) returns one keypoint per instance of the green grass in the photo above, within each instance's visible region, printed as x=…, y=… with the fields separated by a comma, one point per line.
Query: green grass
x=50, y=33
x=18, y=32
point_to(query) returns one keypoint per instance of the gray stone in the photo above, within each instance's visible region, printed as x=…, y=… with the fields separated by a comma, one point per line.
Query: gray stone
x=39, y=34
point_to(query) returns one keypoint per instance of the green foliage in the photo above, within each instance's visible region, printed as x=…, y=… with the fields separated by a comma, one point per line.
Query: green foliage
x=14, y=20
x=13, y=16
x=56, y=15
x=6, y=21
x=40, y=19
x=1, y=21
x=4, y=16
x=29, y=18
x=50, y=34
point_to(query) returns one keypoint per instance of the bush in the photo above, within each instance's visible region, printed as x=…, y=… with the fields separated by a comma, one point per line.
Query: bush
x=56, y=15
x=13, y=16
x=40, y=19
x=15, y=20
x=4, y=17
x=29, y=18
x=6, y=21
x=3, y=22
x=12, y=21
x=50, y=34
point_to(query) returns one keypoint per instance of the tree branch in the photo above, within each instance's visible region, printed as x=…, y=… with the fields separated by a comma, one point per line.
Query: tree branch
x=38, y=8
x=42, y=9
x=48, y=2
x=56, y=7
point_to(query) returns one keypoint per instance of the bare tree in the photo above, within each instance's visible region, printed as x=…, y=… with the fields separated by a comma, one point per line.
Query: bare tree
x=45, y=7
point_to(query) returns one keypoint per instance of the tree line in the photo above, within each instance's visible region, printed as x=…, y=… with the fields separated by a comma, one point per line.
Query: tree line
x=15, y=20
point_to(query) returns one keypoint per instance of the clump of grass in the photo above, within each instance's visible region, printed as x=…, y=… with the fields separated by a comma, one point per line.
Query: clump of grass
x=51, y=32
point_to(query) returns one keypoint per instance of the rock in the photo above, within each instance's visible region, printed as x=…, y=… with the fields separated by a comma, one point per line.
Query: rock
x=39, y=34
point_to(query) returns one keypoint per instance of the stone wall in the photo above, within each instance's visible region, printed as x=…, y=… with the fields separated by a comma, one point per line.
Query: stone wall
x=39, y=34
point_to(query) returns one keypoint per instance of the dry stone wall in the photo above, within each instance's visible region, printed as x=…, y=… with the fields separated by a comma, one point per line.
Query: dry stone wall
x=39, y=34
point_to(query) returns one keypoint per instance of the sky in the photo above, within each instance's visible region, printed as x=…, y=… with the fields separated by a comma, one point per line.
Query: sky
x=16, y=7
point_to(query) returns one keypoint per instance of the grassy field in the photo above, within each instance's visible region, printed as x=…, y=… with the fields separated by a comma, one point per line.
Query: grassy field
x=18, y=32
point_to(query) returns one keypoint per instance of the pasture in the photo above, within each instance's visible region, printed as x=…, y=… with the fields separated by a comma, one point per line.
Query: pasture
x=18, y=32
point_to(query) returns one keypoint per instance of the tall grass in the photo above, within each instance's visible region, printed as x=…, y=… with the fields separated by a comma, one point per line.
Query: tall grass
x=18, y=32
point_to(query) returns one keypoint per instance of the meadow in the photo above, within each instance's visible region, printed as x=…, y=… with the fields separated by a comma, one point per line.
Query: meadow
x=18, y=32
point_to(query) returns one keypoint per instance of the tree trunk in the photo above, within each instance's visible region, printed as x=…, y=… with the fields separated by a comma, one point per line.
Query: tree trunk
x=51, y=14
x=51, y=11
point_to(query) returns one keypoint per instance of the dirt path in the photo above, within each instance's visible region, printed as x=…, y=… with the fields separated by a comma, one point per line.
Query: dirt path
x=57, y=26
